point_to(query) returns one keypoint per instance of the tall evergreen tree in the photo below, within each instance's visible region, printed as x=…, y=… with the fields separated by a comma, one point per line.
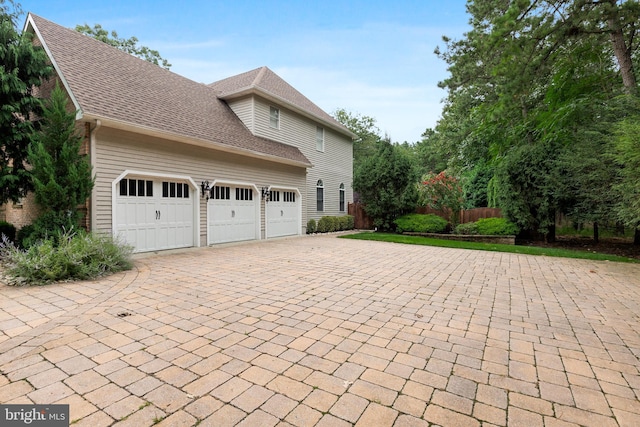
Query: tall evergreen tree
x=386, y=184
x=61, y=175
x=22, y=68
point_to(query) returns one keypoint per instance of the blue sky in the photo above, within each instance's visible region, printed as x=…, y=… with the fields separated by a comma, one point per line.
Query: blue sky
x=370, y=57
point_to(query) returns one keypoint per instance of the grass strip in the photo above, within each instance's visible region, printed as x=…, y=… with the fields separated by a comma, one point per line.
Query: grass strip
x=515, y=249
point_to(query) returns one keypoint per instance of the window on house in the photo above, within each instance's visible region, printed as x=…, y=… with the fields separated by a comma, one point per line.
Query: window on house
x=244, y=194
x=175, y=190
x=319, y=138
x=319, y=196
x=136, y=187
x=274, y=117
x=289, y=196
x=220, y=192
x=341, y=197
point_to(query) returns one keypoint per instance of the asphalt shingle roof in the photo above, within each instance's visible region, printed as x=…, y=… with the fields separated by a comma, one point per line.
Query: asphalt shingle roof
x=266, y=81
x=112, y=84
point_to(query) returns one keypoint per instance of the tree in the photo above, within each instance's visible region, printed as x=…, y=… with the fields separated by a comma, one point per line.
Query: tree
x=626, y=152
x=443, y=192
x=531, y=84
x=61, y=175
x=23, y=66
x=366, y=130
x=386, y=184
x=129, y=45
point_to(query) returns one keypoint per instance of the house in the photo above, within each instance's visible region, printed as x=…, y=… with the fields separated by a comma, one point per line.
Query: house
x=179, y=163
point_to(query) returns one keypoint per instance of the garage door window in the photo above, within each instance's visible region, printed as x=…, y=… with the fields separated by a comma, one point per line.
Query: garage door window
x=136, y=187
x=219, y=192
x=244, y=194
x=289, y=196
x=175, y=190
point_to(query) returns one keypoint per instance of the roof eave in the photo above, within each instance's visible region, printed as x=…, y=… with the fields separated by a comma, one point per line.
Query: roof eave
x=153, y=132
x=256, y=90
x=30, y=25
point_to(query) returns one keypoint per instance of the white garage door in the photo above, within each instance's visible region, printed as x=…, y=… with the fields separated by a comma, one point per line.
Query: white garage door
x=283, y=213
x=155, y=215
x=233, y=214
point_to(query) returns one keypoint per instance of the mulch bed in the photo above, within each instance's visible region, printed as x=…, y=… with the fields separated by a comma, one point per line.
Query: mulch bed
x=610, y=245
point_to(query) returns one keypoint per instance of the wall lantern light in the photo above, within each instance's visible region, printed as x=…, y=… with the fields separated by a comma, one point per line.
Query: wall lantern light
x=265, y=193
x=205, y=189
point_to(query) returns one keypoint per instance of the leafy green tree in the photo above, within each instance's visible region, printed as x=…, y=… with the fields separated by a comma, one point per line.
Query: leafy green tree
x=365, y=128
x=129, y=45
x=61, y=175
x=22, y=68
x=385, y=182
x=428, y=153
x=626, y=153
x=476, y=185
x=532, y=86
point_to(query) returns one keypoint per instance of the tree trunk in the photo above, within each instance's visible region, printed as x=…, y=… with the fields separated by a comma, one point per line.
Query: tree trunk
x=596, y=232
x=550, y=237
x=636, y=238
x=620, y=49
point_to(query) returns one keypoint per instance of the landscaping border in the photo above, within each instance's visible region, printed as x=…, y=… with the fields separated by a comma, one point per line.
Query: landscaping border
x=480, y=238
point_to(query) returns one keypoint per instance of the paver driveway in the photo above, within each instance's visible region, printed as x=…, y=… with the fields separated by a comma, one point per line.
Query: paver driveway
x=320, y=331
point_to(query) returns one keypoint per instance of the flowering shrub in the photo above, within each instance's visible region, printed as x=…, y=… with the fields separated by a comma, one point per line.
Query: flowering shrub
x=443, y=192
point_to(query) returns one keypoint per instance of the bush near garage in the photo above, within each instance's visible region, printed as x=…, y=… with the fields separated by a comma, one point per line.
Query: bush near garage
x=311, y=226
x=421, y=223
x=328, y=224
x=71, y=255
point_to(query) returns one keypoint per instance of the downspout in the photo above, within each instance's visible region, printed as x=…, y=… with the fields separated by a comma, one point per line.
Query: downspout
x=92, y=157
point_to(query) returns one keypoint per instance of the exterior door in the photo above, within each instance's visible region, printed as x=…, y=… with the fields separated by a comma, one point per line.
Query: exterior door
x=155, y=215
x=232, y=213
x=283, y=213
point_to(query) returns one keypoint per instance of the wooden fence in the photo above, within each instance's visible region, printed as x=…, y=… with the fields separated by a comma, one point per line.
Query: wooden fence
x=363, y=222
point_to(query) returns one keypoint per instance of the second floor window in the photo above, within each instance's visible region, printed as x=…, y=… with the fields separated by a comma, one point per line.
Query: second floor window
x=319, y=138
x=274, y=118
x=319, y=196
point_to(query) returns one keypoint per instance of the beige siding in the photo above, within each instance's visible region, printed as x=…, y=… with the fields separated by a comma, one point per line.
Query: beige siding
x=117, y=151
x=334, y=166
x=243, y=108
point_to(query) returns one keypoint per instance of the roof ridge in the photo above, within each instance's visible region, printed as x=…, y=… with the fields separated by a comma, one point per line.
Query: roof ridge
x=259, y=76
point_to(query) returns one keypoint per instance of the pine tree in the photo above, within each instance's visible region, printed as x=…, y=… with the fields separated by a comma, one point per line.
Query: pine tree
x=22, y=68
x=61, y=175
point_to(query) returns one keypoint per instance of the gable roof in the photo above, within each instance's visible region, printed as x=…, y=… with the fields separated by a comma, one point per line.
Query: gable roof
x=264, y=82
x=129, y=93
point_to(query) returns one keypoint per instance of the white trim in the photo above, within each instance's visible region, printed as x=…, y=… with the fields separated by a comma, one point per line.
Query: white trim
x=146, y=174
x=76, y=104
x=230, y=183
x=93, y=219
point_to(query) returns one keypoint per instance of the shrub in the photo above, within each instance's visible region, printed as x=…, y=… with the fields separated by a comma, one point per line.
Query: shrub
x=311, y=226
x=466, y=228
x=496, y=227
x=70, y=256
x=8, y=230
x=23, y=235
x=346, y=222
x=420, y=223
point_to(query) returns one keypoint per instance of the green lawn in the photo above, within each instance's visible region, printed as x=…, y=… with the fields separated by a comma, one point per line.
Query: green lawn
x=516, y=249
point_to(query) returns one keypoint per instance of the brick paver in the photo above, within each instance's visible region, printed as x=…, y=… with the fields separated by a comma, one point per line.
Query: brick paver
x=321, y=331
